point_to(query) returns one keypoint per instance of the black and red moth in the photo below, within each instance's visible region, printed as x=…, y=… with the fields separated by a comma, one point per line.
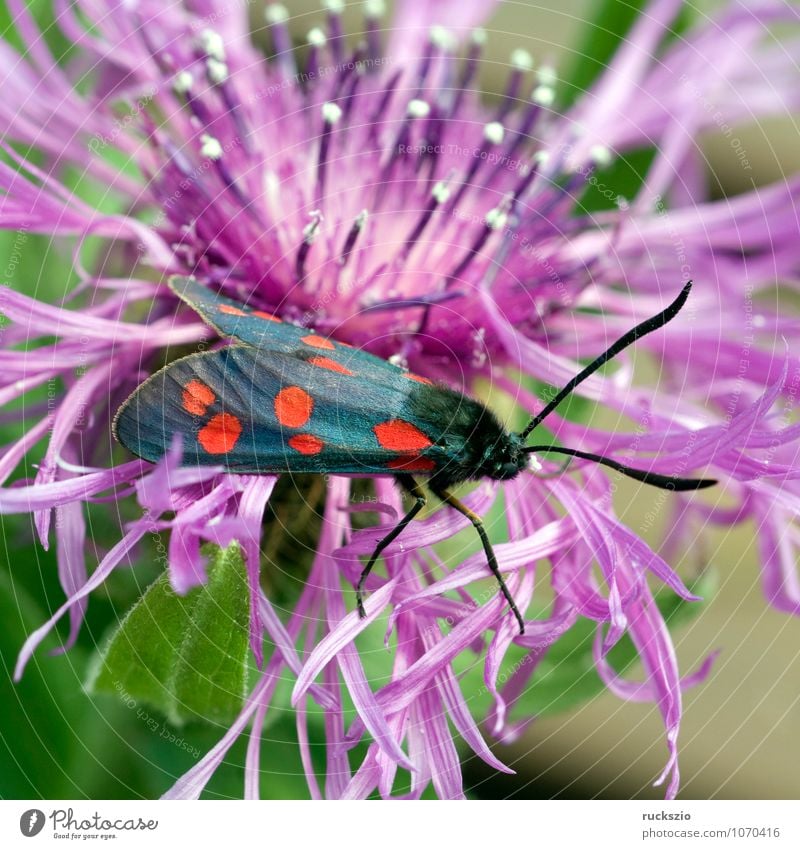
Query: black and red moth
x=285, y=399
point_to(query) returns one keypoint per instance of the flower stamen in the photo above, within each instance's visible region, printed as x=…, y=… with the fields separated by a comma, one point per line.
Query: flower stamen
x=335, y=30
x=316, y=40
x=310, y=233
x=374, y=10
x=521, y=64
x=331, y=115
x=355, y=231
x=277, y=16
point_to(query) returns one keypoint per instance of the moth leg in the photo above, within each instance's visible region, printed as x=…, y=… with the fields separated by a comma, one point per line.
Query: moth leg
x=477, y=523
x=413, y=488
x=423, y=323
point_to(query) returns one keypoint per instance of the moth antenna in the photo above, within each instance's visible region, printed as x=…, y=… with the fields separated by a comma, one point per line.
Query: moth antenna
x=647, y=326
x=653, y=478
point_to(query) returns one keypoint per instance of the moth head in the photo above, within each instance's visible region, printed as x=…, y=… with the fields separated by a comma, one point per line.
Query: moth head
x=506, y=458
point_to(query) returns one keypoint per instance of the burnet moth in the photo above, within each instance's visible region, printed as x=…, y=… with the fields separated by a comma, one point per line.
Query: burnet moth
x=285, y=399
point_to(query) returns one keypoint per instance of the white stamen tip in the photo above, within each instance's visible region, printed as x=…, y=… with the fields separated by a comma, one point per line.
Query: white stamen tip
x=547, y=75
x=418, y=109
x=316, y=37
x=494, y=132
x=334, y=6
x=521, y=59
x=183, y=82
x=441, y=37
x=217, y=71
x=600, y=155
x=212, y=44
x=541, y=157
x=623, y=204
x=331, y=113
x=543, y=95
x=374, y=9
x=496, y=218
x=361, y=219
x=210, y=147
x=441, y=192
x=311, y=229
x=276, y=13
x=478, y=36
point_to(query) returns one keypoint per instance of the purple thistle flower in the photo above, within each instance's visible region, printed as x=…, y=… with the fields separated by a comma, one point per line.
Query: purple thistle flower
x=356, y=192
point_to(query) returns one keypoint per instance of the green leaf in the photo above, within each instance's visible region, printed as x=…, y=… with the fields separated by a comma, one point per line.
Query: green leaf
x=610, y=25
x=210, y=677
x=45, y=18
x=601, y=38
x=184, y=655
x=623, y=178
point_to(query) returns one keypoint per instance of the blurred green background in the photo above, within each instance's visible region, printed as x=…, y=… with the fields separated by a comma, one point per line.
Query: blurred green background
x=740, y=731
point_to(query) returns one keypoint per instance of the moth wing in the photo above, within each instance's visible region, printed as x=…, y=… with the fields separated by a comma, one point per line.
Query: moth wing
x=233, y=319
x=260, y=411
x=265, y=331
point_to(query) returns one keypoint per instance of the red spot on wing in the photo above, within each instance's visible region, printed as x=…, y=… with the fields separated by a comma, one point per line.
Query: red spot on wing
x=307, y=444
x=314, y=341
x=418, y=378
x=411, y=464
x=229, y=310
x=331, y=365
x=398, y=435
x=267, y=316
x=220, y=434
x=293, y=406
x=197, y=397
